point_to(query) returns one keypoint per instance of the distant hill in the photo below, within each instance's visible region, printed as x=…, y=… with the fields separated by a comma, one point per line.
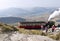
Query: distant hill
x=13, y=15
x=11, y=19
x=25, y=12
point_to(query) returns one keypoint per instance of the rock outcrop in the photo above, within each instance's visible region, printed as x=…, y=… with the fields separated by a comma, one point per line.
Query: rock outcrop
x=16, y=36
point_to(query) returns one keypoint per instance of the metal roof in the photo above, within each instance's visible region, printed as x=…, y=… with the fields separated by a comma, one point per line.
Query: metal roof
x=32, y=22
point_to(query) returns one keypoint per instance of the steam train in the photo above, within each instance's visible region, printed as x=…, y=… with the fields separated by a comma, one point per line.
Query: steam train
x=35, y=25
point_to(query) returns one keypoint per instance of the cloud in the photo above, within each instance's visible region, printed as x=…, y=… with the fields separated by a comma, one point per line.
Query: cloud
x=28, y=3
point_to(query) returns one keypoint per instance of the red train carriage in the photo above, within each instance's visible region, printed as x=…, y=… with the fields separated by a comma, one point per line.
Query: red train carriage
x=31, y=25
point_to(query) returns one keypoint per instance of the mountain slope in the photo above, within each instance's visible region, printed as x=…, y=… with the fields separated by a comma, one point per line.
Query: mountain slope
x=24, y=12
x=11, y=19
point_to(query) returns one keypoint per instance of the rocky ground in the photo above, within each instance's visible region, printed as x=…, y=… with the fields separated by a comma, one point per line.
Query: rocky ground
x=16, y=36
x=10, y=33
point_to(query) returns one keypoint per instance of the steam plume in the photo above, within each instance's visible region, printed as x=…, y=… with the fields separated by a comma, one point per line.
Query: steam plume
x=54, y=14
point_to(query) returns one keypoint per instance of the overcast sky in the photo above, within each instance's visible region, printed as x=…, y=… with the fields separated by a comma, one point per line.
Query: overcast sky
x=28, y=3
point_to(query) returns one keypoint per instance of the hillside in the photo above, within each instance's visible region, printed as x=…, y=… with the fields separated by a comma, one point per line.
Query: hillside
x=11, y=19
x=11, y=33
x=42, y=17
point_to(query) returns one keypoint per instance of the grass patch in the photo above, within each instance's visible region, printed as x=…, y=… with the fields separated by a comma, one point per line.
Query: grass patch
x=32, y=31
x=7, y=28
x=55, y=37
